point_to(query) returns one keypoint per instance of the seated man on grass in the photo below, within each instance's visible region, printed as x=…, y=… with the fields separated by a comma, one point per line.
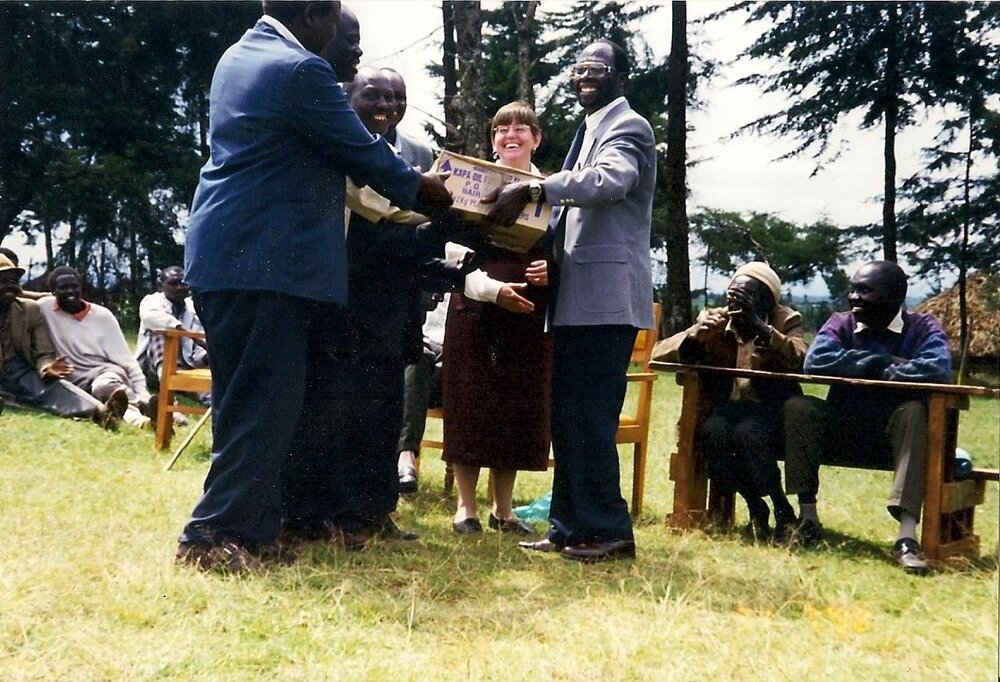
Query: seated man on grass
x=865, y=426
x=30, y=372
x=169, y=308
x=742, y=437
x=90, y=338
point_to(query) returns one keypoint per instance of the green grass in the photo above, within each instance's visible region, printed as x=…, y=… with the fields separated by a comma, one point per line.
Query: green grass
x=90, y=591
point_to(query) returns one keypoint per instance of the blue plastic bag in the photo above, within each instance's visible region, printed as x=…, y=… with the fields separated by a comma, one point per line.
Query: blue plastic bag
x=537, y=510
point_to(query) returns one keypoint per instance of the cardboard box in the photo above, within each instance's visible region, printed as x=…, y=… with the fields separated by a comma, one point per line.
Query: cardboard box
x=472, y=178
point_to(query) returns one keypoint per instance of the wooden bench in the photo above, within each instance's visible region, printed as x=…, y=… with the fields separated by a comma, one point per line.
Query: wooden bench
x=949, y=505
x=173, y=380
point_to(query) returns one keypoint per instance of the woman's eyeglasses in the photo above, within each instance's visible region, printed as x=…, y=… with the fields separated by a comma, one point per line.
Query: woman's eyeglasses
x=518, y=129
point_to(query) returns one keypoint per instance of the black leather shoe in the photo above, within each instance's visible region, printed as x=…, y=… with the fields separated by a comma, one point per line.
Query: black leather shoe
x=407, y=480
x=908, y=555
x=757, y=532
x=593, y=552
x=545, y=545
x=386, y=529
x=469, y=526
x=514, y=525
x=806, y=533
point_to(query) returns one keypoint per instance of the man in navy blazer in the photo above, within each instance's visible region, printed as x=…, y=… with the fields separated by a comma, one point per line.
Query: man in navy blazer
x=266, y=259
x=600, y=269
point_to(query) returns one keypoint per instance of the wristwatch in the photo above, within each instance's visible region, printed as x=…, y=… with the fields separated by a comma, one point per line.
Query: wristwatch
x=535, y=190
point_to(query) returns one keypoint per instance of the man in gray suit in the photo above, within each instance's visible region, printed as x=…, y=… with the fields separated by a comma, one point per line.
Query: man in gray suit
x=600, y=269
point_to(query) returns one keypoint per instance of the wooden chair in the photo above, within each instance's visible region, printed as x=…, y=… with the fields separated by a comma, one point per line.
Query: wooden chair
x=173, y=380
x=632, y=428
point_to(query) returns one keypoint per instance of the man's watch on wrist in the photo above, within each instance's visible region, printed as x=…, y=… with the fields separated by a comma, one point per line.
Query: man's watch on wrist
x=535, y=190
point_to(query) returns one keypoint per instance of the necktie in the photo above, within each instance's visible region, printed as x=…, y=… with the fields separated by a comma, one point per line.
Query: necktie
x=574, y=148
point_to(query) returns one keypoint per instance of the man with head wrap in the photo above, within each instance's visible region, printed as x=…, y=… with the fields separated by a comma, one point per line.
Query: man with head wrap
x=742, y=437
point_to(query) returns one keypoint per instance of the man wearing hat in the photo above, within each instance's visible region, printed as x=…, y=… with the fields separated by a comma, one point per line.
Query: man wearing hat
x=742, y=437
x=29, y=368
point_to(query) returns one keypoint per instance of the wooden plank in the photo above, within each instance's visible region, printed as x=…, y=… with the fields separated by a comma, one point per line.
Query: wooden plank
x=959, y=495
x=934, y=478
x=689, y=492
x=986, y=474
x=966, y=548
x=831, y=380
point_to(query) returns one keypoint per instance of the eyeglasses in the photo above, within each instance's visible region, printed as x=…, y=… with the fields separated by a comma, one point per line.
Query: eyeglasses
x=591, y=69
x=518, y=130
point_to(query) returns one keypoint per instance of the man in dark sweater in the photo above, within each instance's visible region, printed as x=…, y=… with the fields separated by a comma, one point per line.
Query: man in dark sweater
x=872, y=427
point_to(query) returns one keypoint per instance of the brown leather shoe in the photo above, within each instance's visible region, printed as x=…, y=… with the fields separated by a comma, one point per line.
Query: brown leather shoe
x=113, y=409
x=148, y=408
x=593, y=552
x=226, y=558
x=352, y=542
x=545, y=545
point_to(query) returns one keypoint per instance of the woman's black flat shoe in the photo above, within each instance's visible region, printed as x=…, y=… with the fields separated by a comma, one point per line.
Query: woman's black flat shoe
x=469, y=526
x=514, y=525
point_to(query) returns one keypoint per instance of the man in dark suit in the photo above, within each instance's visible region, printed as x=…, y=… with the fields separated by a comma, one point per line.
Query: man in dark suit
x=266, y=259
x=600, y=269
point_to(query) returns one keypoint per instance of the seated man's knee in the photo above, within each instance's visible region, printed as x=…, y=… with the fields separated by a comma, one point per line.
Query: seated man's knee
x=911, y=412
x=752, y=436
x=801, y=406
x=715, y=434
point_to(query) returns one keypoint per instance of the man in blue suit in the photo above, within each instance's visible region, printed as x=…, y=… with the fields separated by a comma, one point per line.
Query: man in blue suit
x=266, y=259
x=600, y=269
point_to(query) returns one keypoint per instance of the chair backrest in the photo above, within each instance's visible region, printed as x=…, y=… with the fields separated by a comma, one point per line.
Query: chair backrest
x=642, y=351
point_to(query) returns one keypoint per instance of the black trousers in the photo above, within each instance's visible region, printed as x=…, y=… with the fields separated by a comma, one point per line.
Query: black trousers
x=588, y=390
x=342, y=468
x=263, y=346
x=742, y=443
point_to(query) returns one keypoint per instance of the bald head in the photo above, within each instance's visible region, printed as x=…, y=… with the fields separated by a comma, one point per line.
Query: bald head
x=371, y=98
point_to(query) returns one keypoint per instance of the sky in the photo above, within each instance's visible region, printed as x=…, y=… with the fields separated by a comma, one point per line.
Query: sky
x=738, y=174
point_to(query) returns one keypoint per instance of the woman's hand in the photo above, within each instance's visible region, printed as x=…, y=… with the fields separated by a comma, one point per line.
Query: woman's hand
x=510, y=299
x=537, y=274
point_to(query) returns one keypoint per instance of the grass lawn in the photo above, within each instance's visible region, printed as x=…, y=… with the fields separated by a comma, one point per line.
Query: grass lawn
x=90, y=590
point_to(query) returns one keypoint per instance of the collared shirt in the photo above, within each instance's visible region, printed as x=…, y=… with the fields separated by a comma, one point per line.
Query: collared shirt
x=281, y=29
x=593, y=120
x=896, y=326
x=742, y=389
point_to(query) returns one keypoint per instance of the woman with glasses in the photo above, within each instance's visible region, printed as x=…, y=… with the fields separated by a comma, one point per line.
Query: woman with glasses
x=498, y=359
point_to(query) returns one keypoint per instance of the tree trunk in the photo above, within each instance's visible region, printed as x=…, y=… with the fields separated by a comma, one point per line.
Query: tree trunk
x=964, y=337
x=678, y=264
x=525, y=63
x=467, y=102
x=50, y=256
x=891, y=95
x=450, y=73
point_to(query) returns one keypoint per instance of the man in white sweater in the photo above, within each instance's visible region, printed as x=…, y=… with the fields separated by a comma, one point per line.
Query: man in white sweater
x=169, y=308
x=91, y=340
